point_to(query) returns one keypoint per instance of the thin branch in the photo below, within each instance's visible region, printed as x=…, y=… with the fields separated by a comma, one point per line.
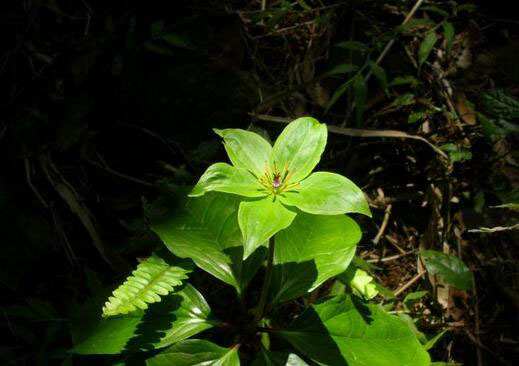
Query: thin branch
x=410, y=283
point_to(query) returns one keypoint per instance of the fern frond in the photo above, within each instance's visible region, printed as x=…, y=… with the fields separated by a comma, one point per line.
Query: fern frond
x=153, y=278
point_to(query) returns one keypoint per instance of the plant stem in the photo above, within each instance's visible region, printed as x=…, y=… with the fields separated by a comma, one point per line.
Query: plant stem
x=266, y=285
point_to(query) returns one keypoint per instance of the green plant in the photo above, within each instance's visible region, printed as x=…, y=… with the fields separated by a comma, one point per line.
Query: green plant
x=267, y=205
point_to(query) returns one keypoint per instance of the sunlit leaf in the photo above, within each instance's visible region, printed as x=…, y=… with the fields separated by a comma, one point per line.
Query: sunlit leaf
x=222, y=177
x=324, y=193
x=206, y=230
x=260, y=220
x=196, y=352
x=246, y=149
x=345, y=331
x=178, y=316
x=299, y=147
x=312, y=250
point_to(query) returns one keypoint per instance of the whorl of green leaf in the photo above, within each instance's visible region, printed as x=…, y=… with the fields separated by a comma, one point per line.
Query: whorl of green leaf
x=153, y=278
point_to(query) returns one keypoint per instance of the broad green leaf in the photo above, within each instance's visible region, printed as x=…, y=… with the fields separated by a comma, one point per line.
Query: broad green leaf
x=352, y=45
x=324, y=193
x=448, y=34
x=312, y=250
x=196, y=352
x=426, y=47
x=452, y=269
x=360, y=92
x=153, y=278
x=379, y=73
x=246, y=150
x=260, y=220
x=268, y=358
x=345, y=331
x=206, y=230
x=178, y=316
x=299, y=147
x=177, y=41
x=222, y=177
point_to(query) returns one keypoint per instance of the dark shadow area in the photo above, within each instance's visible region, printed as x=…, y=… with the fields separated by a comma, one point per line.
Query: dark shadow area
x=154, y=323
x=291, y=280
x=316, y=343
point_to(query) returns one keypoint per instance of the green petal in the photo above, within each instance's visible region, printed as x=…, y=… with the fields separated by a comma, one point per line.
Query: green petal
x=222, y=177
x=260, y=220
x=324, y=193
x=246, y=149
x=299, y=147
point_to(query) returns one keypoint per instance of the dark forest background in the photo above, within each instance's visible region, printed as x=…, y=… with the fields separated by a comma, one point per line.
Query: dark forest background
x=100, y=101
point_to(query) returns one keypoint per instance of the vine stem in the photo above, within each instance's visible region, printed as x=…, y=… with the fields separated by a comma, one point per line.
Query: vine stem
x=266, y=285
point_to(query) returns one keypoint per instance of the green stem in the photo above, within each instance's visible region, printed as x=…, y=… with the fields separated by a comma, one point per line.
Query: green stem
x=266, y=285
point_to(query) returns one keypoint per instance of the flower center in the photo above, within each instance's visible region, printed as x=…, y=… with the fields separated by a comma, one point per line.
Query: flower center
x=276, y=181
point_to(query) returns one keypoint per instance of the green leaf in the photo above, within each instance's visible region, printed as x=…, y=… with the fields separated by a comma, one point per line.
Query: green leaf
x=338, y=93
x=312, y=250
x=379, y=73
x=206, y=230
x=246, y=150
x=403, y=100
x=260, y=220
x=343, y=69
x=360, y=92
x=360, y=282
x=345, y=331
x=196, y=352
x=222, y=177
x=435, y=9
x=178, y=316
x=324, y=193
x=501, y=104
x=433, y=340
x=416, y=117
x=177, y=41
x=299, y=147
x=267, y=358
x=448, y=34
x=426, y=47
x=411, y=298
x=452, y=269
x=456, y=152
x=352, y=45
x=153, y=278
x=404, y=80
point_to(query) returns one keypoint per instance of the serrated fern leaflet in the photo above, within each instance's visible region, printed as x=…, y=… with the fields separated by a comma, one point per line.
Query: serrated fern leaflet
x=153, y=278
